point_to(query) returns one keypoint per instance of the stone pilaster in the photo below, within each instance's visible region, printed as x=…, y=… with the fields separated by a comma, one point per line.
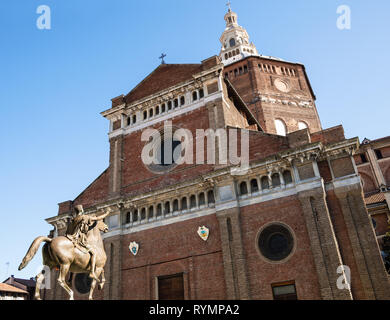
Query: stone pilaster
x=363, y=240
x=113, y=272
x=323, y=243
x=233, y=255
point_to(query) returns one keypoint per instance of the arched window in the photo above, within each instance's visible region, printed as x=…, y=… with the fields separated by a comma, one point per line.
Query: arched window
x=210, y=197
x=128, y=217
x=150, y=113
x=302, y=125
x=134, y=119
x=184, y=204
x=202, y=199
x=159, y=210
x=128, y=121
x=254, y=186
x=287, y=177
x=182, y=100
x=195, y=96
x=264, y=183
x=243, y=188
x=175, y=205
x=145, y=115
x=157, y=110
x=201, y=93
x=135, y=216
x=176, y=103
x=150, y=213
x=275, y=180
x=232, y=42
x=192, y=202
x=143, y=214
x=230, y=54
x=167, y=207
x=238, y=51
x=280, y=127
x=163, y=108
x=226, y=56
x=169, y=105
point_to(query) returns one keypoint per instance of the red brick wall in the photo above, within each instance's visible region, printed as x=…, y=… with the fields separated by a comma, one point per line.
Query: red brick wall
x=138, y=179
x=300, y=267
x=95, y=193
x=172, y=249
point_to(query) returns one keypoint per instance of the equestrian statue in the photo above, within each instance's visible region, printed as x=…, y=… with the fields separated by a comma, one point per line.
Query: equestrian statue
x=81, y=250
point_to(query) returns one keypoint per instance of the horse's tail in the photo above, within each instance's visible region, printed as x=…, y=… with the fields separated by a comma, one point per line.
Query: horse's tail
x=32, y=251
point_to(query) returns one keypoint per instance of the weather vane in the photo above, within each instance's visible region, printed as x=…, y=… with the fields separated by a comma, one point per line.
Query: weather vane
x=163, y=55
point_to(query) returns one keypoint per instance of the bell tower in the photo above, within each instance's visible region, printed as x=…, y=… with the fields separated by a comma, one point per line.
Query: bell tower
x=277, y=92
x=235, y=41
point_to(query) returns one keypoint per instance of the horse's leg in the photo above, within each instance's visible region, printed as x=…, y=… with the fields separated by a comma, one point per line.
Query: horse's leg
x=93, y=284
x=64, y=269
x=101, y=284
x=40, y=278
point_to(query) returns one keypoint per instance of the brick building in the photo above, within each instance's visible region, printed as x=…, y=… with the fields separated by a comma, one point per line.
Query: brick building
x=281, y=230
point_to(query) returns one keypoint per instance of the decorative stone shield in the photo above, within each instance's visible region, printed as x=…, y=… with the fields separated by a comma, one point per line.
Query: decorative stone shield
x=203, y=233
x=134, y=246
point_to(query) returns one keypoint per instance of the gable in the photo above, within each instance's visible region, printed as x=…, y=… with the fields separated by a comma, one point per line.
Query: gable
x=163, y=77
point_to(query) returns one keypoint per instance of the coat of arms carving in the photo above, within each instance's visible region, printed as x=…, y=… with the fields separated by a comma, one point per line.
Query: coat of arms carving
x=203, y=233
x=134, y=247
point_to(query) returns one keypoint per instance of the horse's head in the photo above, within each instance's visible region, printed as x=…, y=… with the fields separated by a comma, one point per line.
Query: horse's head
x=102, y=226
x=98, y=223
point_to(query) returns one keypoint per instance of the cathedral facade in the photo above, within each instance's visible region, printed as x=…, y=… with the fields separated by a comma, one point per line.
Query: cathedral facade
x=293, y=225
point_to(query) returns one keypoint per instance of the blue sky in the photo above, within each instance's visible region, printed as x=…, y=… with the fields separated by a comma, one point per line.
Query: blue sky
x=54, y=83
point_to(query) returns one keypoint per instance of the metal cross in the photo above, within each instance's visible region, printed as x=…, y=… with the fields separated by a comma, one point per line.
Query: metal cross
x=163, y=55
x=228, y=4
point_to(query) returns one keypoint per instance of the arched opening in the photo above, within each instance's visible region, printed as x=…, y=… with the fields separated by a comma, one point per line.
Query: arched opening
x=254, y=186
x=210, y=197
x=135, y=216
x=202, y=199
x=287, y=177
x=184, y=203
x=243, y=188
x=150, y=213
x=192, y=202
x=175, y=205
x=159, y=210
x=302, y=125
x=276, y=180
x=143, y=214
x=195, y=96
x=167, y=207
x=232, y=42
x=280, y=127
x=264, y=183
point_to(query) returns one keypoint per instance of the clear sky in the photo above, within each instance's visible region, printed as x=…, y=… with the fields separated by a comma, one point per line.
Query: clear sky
x=54, y=83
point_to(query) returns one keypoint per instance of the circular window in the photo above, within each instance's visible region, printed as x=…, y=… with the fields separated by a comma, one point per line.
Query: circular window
x=82, y=283
x=282, y=85
x=165, y=151
x=276, y=242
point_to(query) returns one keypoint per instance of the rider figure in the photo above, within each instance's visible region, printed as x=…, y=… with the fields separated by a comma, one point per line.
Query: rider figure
x=78, y=236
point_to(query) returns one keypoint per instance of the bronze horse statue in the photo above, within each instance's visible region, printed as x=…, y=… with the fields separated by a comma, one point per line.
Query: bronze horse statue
x=61, y=253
